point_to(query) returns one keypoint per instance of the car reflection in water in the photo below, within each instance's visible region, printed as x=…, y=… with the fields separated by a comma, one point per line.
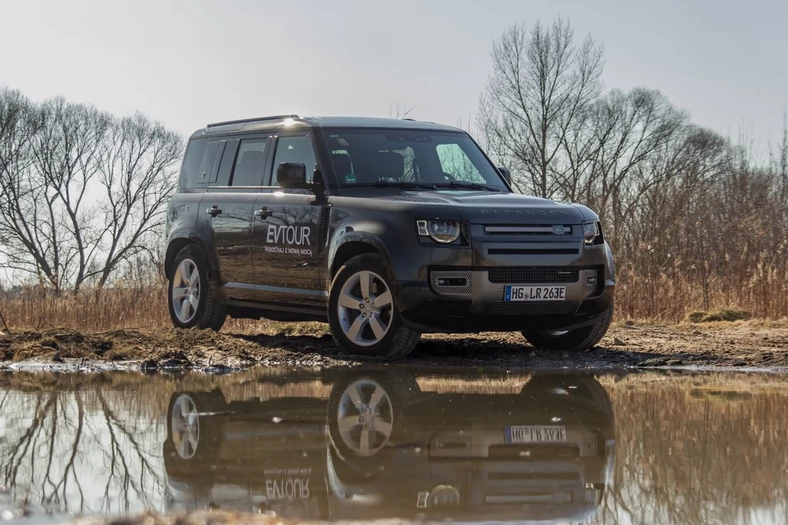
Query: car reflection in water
x=379, y=444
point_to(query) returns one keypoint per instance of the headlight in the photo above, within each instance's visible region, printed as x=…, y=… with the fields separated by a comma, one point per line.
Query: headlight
x=592, y=233
x=439, y=231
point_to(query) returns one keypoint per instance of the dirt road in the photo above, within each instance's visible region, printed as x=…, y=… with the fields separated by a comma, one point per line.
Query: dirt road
x=751, y=344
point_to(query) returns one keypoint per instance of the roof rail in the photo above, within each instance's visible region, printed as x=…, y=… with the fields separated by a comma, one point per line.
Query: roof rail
x=256, y=119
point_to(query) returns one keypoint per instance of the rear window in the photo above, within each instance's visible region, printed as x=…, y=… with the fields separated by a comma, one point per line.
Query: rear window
x=191, y=174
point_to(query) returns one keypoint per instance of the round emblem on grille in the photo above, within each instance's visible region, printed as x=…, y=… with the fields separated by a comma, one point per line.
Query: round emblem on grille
x=559, y=230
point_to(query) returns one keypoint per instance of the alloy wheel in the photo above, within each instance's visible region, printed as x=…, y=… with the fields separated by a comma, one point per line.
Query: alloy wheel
x=365, y=308
x=365, y=417
x=185, y=425
x=186, y=291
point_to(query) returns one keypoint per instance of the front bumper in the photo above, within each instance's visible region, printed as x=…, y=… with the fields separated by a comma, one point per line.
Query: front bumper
x=484, y=308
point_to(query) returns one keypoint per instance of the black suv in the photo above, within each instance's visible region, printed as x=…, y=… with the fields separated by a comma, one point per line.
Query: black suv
x=384, y=228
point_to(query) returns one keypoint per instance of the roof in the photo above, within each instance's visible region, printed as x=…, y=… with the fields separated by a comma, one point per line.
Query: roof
x=281, y=122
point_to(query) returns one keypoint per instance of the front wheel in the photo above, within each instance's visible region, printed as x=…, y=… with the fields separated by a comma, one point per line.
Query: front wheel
x=575, y=340
x=361, y=312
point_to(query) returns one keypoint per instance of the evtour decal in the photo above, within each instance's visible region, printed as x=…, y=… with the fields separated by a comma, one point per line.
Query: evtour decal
x=290, y=240
x=287, y=483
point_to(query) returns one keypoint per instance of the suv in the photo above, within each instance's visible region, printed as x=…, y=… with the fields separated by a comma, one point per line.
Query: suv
x=385, y=229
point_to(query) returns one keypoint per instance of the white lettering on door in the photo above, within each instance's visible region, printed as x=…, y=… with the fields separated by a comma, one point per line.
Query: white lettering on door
x=297, y=235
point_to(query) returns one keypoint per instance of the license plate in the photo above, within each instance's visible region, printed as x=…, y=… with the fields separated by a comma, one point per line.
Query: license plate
x=535, y=293
x=535, y=434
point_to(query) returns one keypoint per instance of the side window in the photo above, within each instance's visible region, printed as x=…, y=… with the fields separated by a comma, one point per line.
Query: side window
x=456, y=163
x=294, y=149
x=192, y=162
x=250, y=163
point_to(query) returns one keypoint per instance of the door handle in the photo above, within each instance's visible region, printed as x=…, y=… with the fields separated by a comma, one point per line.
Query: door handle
x=213, y=211
x=264, y=212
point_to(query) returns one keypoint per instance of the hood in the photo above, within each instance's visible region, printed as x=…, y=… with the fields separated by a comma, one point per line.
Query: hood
x=483, y=207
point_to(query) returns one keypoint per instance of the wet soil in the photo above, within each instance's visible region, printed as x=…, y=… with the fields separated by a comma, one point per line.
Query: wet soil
x=742, y=344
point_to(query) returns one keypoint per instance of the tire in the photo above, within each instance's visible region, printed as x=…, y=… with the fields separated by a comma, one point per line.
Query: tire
x=195, y=425
x=209, y=312
x=383, y=333
x=572, y=340
x=383, y=394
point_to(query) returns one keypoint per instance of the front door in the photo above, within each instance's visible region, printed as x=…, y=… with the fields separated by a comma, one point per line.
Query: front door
x=288, y=236
x=229, y=205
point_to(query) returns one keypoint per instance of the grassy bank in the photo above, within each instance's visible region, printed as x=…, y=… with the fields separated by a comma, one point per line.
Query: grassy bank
x=665, y=299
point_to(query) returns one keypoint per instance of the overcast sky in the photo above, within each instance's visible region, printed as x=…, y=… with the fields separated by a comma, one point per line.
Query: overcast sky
x=190, y=62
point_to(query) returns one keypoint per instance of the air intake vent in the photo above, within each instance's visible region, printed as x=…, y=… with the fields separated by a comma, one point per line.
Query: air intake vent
x=534, y=274
x=452, y=282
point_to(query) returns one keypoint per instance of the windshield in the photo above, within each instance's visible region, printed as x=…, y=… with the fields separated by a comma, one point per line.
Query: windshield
x=428, y=159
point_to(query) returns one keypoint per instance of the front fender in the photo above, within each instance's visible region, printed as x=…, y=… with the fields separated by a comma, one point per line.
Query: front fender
x=344, y=237
x=394, y=237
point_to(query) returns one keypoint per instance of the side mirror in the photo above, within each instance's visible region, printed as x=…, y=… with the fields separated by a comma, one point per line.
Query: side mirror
x=291, y=175
x=506, y=174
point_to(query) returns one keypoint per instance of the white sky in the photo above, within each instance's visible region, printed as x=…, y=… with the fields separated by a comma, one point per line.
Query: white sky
x=190, y=62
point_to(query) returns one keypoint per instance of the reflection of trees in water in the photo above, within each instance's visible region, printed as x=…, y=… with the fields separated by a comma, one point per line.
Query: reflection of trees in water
x=682, y=457
x=79, y=452
x=698, y=457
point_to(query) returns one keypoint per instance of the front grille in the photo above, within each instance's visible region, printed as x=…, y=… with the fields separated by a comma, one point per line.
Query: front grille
x=532, y=308
x=531, y=229
x=527, y=452
x=534, y=274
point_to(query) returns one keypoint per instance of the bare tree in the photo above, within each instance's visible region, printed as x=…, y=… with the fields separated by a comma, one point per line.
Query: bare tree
x=540, y=86
x=82, y=191
x=138, y=174
x=400, y=112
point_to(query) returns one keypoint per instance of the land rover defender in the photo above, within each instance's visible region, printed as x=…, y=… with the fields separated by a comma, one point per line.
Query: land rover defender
x=383, y=228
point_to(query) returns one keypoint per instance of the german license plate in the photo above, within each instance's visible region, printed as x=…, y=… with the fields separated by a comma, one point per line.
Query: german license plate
x=535, y=434
x=534, y=293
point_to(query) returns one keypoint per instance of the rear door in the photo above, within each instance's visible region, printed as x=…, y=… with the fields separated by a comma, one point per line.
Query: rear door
x=229, y=206
x=287, y=230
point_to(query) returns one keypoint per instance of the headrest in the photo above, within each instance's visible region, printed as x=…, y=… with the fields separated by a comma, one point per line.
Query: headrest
x=389, y=165
x=342, y=165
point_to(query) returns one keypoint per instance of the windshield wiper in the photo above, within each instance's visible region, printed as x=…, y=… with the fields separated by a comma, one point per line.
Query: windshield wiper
x=466, y=185
x=389, y=184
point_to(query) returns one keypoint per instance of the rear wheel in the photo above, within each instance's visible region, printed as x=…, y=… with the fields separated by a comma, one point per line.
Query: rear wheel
x=575, y=340
x=192, y=302
x=361, y=312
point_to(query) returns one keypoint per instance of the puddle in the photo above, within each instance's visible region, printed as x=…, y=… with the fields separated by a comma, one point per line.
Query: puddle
x=397, y=443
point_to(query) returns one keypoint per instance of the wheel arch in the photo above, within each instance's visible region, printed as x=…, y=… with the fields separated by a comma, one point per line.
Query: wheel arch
x=352, y=245
x=179, y=242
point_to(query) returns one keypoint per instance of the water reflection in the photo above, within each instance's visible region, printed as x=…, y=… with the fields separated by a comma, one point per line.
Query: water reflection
x=398, y=443
x=379, y=446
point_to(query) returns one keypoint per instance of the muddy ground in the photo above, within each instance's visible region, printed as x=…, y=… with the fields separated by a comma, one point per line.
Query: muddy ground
x=750, y=344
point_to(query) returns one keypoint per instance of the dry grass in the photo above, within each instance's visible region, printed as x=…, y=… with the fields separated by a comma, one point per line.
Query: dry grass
x=663, y=299
x=118, y=309
x=669, y=297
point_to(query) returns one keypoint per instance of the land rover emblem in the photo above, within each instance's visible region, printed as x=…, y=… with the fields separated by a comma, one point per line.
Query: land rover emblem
x=559, y=230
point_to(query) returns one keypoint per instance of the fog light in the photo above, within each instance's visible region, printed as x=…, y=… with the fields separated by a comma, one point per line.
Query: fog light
x=591, y=280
